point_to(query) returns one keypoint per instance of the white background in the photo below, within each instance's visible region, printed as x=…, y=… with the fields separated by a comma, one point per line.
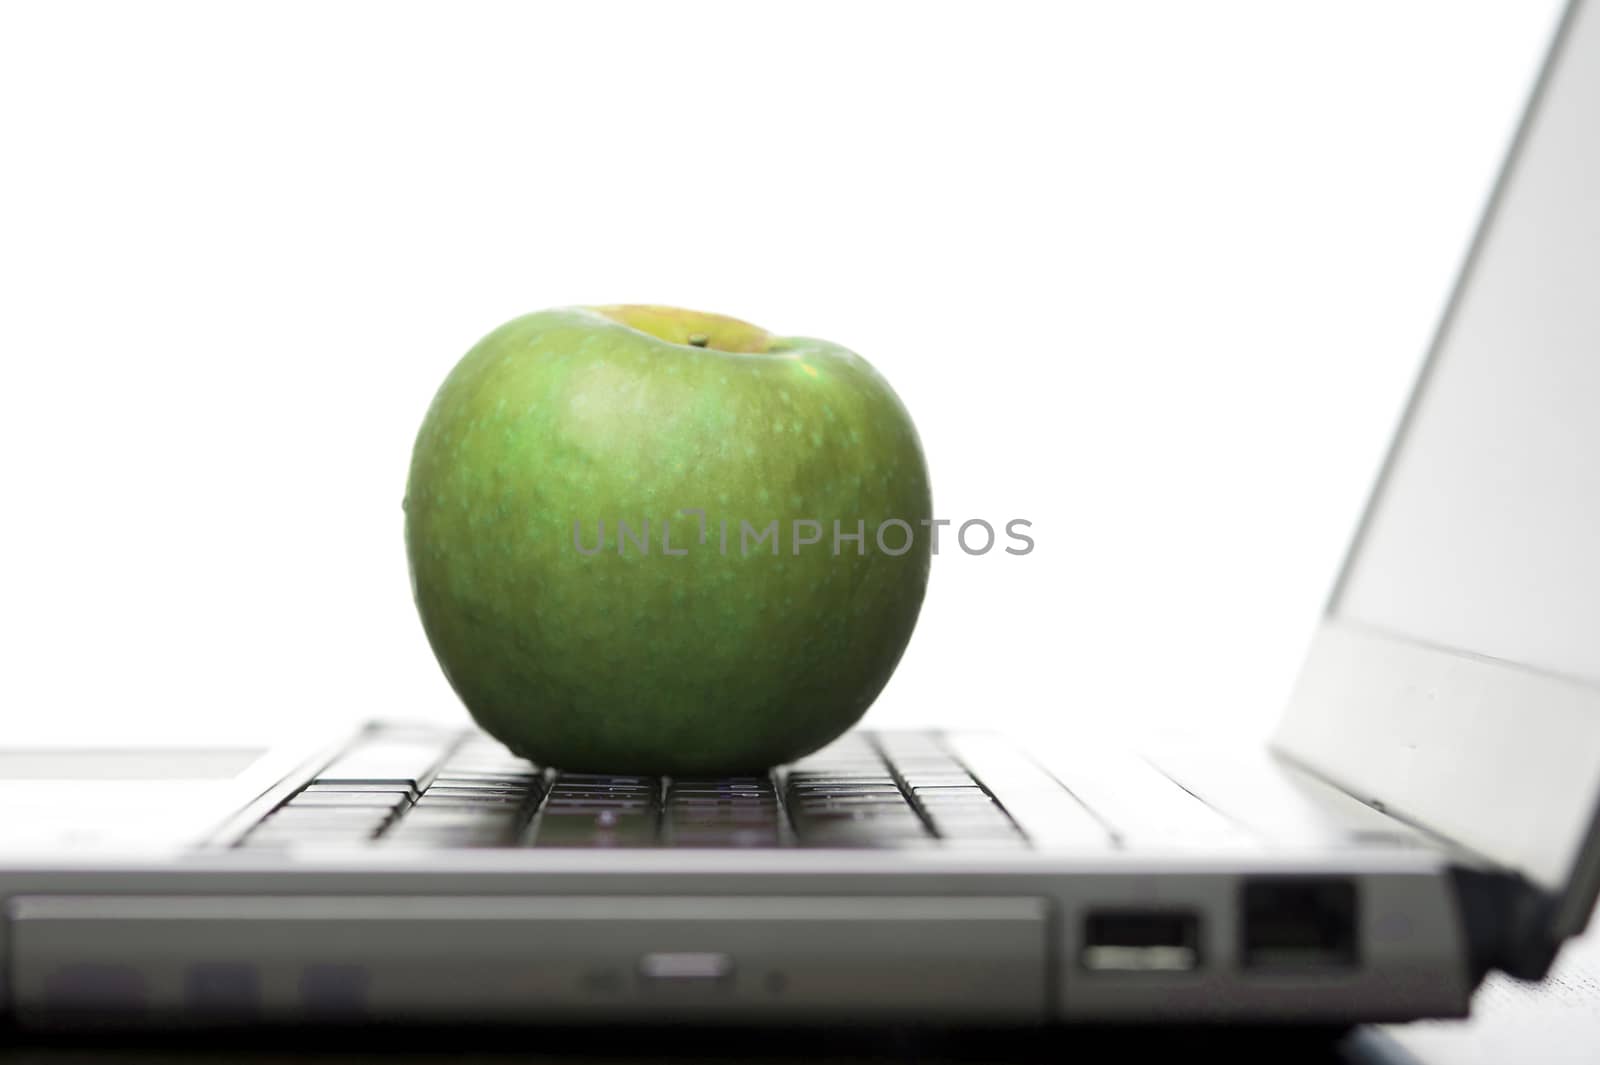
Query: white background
x=1154, y=276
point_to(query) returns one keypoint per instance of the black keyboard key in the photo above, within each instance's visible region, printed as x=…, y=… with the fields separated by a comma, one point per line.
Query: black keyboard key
x=853, y=836
x=848, y=769
x=793, y=794
x=455, y=816
x=952, y=795
x=445, y=839
x=608, y=780
x=563, y=802
x=430, y=801
x=595, y=828
x=872, y=805
x=738, y=791
x=880, y=790
x=879, y=772
x=452, y=787
x=347, y=800
x=812, y=818
x=723, y=836
x=724, y=815
x=957, y=808
x=451, y=824
x=363, y=789
x=273, y=826
x=284, y=826
x=331, y=815
x=886, y=804
x=599, y=790
x=487, y=780
x=703, y=811
x=481, y=833
x=964, y=811
x=590, y=780
x=844, y=789
x=956, y=805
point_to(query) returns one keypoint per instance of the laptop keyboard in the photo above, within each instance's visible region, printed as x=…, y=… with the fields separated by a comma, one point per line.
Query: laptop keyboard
x=398, y=789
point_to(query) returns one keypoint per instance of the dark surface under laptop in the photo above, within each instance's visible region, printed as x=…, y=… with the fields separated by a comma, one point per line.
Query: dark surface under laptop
x=684, y=1044
x=1554, y=1024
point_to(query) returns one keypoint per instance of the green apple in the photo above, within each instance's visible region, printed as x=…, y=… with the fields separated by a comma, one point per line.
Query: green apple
x=650, y=540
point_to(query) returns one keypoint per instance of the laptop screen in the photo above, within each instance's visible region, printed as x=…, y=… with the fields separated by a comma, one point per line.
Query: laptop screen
x=1456, y=679
x=1485, y=534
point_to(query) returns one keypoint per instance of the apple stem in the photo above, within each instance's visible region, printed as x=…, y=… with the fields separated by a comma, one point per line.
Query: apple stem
x=699, y=340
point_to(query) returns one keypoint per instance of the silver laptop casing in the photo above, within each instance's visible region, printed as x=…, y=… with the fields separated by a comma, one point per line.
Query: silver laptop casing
x=1488, y=767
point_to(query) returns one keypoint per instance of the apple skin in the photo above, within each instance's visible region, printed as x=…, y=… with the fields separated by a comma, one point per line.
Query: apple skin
x=706, y=662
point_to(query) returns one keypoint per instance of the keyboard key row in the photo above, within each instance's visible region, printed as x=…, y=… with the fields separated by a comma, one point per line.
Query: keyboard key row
x=410, y=790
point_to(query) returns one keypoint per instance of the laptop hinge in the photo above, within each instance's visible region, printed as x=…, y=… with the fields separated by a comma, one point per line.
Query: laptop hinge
x=1508, y=921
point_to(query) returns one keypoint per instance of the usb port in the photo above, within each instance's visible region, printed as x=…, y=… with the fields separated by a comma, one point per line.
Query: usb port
x=1299, y=923
x=1147, y=941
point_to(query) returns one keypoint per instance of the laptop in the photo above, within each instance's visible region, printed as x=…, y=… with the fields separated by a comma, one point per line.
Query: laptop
x=1427, y=812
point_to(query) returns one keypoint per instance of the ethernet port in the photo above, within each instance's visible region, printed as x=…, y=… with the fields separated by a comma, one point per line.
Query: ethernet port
x=1299, y=923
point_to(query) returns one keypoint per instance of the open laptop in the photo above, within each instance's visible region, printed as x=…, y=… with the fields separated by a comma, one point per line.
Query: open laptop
x=1428, y=812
